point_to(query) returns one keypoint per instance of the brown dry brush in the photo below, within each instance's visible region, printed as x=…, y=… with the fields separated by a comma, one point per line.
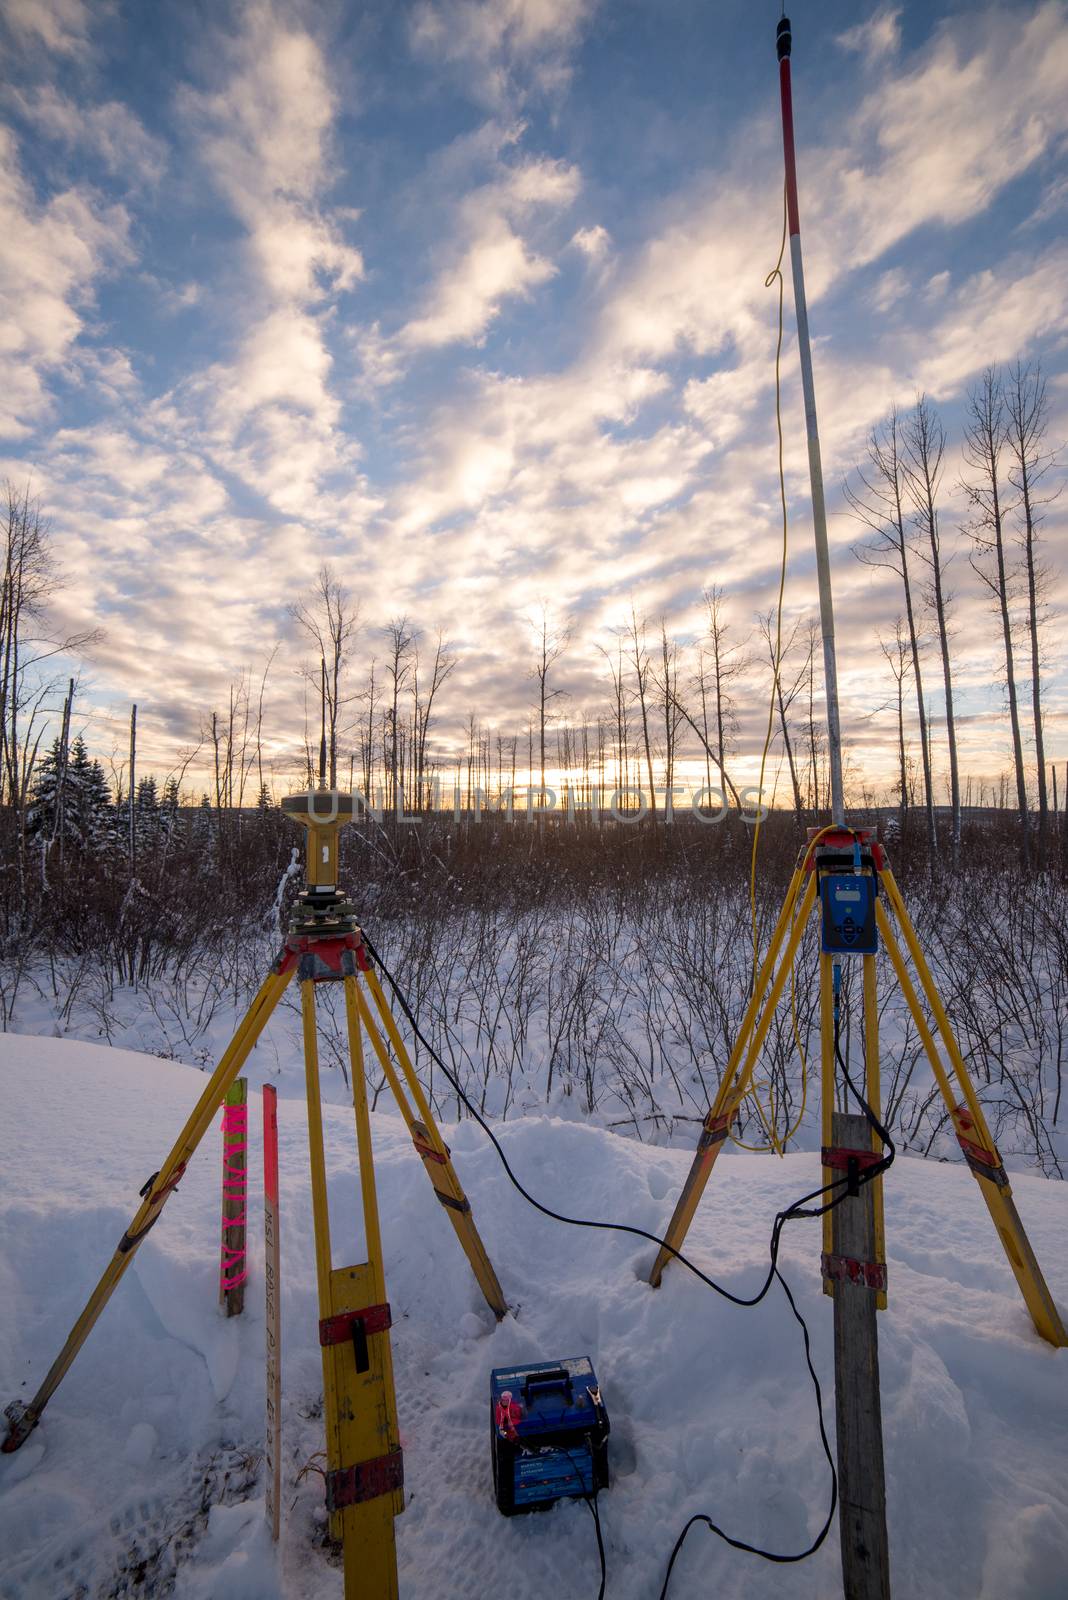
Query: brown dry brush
x=607, y=966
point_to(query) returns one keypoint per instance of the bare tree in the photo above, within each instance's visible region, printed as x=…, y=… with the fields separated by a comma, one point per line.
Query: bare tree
x=877, y=499
x=667, y=684
x=401, y=638
x=728, y=661
x=552, y=639
x=898, y=656
x=639, y=656
x=785, y=695
x=442, y=666
x=1030, y=460
x=924, y=453
x=984, y=441
x=330, y=618
x=26, y=647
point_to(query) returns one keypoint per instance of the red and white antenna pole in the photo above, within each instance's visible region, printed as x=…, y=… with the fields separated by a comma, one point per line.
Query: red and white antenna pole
x=815, y=466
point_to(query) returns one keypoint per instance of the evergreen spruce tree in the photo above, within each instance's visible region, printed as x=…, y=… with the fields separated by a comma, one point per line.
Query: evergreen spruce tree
x=147, y=822
x=41, y=812
x=168, y=810
x=101, y=834
x=204, y=827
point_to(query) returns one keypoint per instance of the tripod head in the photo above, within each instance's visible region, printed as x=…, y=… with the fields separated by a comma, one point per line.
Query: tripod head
x=321, y=908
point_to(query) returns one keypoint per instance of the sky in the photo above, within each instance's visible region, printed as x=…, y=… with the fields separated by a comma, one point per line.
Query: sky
x=467, y=298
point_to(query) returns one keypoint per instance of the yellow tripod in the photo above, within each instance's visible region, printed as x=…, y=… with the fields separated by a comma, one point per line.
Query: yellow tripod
x=828, y=849
x=364, y=1478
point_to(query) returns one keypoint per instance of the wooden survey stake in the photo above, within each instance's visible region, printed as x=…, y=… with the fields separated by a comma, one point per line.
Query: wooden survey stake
x=861, y=1478
x=233, y=1267
x=274, y=1320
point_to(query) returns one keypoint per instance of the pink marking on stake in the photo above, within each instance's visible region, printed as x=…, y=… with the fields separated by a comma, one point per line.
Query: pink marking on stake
x=235, y=1189
x=270, y=1143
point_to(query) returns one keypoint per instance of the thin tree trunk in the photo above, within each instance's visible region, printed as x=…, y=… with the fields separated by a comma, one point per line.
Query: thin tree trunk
x=983, y=442
x=926, y=445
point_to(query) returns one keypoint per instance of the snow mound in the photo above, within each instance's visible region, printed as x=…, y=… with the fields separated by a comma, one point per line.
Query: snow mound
x=145, y=1477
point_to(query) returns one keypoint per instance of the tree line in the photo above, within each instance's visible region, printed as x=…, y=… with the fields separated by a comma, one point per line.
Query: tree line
x=377, y=730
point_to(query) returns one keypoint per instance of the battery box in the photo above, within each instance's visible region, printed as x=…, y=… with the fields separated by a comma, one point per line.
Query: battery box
x=549, y=1431
x=849, y=926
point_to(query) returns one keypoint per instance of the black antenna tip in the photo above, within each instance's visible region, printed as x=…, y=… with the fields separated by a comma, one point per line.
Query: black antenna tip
x=782, y=39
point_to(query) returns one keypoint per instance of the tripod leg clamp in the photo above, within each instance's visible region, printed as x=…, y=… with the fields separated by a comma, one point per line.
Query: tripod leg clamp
x=351, y=1486
x=357, y=1326
x=421, y=1141
x=714, y=1132
x=984, y=1162
x=130, y=1241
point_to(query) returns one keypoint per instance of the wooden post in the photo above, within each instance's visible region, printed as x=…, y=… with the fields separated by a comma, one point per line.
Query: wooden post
x=233, y=1269
x=861, y=1478
x=272, y=1282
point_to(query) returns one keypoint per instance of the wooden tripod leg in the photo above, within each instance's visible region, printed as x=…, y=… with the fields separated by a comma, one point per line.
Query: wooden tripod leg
x=969, y=1122
x=434, y=1152
x=23, y=1419
x=739, y=1069
x=364, y=1478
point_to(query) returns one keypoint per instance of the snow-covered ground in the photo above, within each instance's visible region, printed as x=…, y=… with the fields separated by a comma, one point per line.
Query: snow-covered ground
x=145, y=1477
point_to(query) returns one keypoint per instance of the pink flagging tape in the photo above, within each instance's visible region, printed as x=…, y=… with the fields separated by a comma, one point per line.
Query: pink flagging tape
x=233, y=1283
x=235, y=1119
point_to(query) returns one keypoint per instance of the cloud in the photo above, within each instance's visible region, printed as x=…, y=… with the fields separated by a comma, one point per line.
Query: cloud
x=265, y=137
x=495, y=267
x=642, y=468
x=269, y=414
x=489, y=260
x=994, y=316
x=51, y=257
x=890, y=288
x=58, y=25
x=875, y=39
x=594, y=243
x=110, y=132
x=502, y=44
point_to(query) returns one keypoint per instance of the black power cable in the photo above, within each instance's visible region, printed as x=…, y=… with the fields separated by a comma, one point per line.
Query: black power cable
x=840, y=1190
x=591, y=1501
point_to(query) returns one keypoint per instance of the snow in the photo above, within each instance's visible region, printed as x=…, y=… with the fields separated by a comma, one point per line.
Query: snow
x=145, y=1476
